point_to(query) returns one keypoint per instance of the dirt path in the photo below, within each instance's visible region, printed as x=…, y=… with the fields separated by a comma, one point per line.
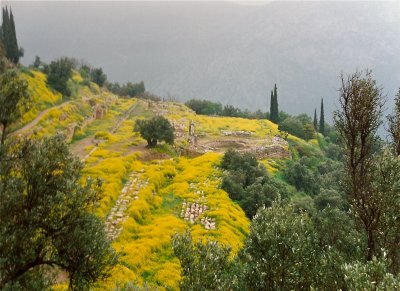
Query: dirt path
x=79, y=148
x=31, y=124
x=125, y=116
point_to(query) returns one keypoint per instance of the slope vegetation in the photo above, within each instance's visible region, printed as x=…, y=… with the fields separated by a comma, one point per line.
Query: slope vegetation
x=149, y=195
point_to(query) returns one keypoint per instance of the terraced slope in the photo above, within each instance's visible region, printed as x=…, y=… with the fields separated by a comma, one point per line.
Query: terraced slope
x=149, y=195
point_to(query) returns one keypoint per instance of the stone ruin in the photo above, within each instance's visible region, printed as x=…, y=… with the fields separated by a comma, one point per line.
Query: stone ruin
x=158, y=107
x=277, y=140
x=209, y=223
x=70, y=131
x=191, y=212
x=277, y=148
x=238, y=133
x=192, y=139
x=272, y=151
x=100, y=111
x=180, y=128
x=128, y=194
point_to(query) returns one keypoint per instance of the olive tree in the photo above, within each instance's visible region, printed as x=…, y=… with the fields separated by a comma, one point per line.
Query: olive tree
x=155, y=130
x=13, y=98
x=46, y=217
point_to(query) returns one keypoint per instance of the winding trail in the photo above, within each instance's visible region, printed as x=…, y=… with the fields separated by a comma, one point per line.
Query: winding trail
x=31, y=124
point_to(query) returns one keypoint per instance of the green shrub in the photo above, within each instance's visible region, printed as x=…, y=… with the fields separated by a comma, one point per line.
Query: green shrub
x=155, y=130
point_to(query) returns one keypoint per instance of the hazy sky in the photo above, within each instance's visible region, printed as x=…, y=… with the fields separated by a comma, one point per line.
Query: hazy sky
x=221, y=50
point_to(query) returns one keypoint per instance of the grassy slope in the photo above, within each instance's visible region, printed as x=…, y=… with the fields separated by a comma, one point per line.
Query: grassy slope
x=154, y=217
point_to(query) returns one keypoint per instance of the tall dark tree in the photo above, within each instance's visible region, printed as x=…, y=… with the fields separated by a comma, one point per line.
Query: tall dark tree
x=271, y=106
x=322, y=119
x=357, y=122
x=9, y=37
x=274, y=111
x=5, y=31
x=15, y=51
x=315, y=120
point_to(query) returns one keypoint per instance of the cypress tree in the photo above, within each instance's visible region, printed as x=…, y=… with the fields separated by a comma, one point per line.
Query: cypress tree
x=13, y=40
x=9, y=36
x=315, y=120
x=276, y=110
x=271, y=107
x=322, y=119
x=5, y=27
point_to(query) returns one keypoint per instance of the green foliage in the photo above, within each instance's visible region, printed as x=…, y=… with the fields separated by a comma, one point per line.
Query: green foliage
x=328, y=197
x=84, y=70
x=386, y=189
x=59, y=72
x=247, y=182
x=13, y=99
x=205, y=266
x=315, y=120
x=4, y=63
x=280, y=252
x=394, y=124
x=204, y=107
x=149, y=96
x=298, y=174
x=8, y=37
x=231, y=111
x=372, y=275
x=300, y=126
x=129, y=89
x=97, y=76
x=155, y=130
x=357, y=120
x=37, y=62
x=274, y=111
x=52, y=223
x=285, y=250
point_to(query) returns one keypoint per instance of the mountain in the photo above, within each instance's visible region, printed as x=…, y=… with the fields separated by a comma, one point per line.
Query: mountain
x=222, y=51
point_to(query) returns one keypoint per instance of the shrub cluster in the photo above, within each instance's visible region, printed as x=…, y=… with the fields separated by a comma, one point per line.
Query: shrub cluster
x=248, y=182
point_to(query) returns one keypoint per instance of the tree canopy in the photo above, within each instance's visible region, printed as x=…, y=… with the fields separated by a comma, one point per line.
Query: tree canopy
x=274, y=111
x=47, y=219
x=59, y=72
x=8, y=37
x=13, y=98
x=155, y=130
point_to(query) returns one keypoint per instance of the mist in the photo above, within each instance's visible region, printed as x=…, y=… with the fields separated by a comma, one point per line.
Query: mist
x=222, y=51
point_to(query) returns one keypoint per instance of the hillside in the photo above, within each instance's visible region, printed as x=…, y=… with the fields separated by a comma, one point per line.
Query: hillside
x=149, y=195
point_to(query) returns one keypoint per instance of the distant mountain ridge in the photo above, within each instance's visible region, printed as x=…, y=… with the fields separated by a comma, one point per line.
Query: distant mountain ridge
x=222, y=51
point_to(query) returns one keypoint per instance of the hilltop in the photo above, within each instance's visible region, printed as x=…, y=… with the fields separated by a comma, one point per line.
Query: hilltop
x=150, y=194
